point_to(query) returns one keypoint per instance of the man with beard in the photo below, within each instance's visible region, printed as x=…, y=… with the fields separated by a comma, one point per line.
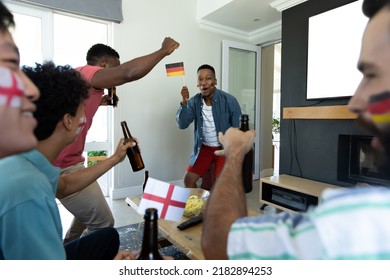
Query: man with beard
x=377, y=121
x=348, y=223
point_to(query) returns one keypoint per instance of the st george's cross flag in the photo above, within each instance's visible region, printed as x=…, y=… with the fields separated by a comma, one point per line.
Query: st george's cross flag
x=175, y=69
x=11, y=89
x=168, y=199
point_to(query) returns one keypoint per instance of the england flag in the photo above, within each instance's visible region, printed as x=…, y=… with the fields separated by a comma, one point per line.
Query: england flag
x=168, y=199
x=11, y=89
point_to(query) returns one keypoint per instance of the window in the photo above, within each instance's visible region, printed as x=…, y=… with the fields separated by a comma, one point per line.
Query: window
x=73, y=49
x=42, y=34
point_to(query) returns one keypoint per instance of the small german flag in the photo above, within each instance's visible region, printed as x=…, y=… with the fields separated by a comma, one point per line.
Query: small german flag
x=175, y=69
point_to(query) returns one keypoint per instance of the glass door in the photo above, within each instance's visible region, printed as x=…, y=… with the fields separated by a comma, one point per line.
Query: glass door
x=241, y=64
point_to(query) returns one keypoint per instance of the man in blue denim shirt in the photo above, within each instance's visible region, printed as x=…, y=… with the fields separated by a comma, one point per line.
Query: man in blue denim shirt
x=213, y=111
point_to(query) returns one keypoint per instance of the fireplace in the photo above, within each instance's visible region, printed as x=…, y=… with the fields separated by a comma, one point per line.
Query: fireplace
x=356, y=162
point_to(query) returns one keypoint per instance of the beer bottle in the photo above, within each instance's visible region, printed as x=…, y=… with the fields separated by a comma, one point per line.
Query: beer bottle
x=247, y=165
x=112, y=94
x=149, y=249
x=133, y=153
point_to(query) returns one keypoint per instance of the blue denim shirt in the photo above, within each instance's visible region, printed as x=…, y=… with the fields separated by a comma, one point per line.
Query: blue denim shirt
x=226, y=114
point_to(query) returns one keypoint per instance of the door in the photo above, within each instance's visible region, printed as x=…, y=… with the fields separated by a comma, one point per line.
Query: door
x=241, y=64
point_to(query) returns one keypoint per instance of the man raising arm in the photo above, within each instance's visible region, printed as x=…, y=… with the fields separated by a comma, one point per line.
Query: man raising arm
x=103, y=70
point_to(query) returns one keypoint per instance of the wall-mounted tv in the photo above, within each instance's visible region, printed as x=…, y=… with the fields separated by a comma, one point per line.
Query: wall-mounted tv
x=333, y=50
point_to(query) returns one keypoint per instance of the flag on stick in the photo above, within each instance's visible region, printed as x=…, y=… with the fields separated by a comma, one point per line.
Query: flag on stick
x=168, y=199
x=175, y=69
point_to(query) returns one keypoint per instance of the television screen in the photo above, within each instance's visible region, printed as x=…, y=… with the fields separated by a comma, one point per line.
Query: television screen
x=333, y=50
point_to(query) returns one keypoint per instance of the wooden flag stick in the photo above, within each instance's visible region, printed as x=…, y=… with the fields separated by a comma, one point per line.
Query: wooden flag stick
x=184, y=81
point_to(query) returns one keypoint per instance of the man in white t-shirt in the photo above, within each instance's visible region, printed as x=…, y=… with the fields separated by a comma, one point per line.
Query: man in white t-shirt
x=212, y=111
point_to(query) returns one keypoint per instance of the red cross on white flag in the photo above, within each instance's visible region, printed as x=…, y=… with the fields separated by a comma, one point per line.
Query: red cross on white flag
x=168, y=199
x=11, y=88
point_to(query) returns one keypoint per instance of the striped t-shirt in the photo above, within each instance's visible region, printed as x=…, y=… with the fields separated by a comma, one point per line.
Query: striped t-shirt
x=347, y=224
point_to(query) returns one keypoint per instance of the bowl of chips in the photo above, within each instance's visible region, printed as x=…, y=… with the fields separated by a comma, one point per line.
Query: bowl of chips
x=196, y=203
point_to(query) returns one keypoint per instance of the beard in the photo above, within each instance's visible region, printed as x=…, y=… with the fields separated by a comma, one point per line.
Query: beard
x=382, y=154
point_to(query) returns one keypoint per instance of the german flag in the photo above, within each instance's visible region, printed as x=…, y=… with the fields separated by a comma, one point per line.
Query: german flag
x=379, y=107
x=175, y=69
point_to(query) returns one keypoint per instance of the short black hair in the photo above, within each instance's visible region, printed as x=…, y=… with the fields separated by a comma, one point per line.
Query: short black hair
x=6, y=18
x=62, y=90
x=206, y=66
x=99, y=51
x=371, y=7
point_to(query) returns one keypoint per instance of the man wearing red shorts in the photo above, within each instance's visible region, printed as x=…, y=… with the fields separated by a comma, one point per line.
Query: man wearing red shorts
x=212, y=111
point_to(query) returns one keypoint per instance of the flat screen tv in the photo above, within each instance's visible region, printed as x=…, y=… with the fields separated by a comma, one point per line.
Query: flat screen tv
x=333, y=50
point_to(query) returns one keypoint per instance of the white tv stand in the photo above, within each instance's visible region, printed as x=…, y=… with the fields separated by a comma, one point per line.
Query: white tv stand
x=289, y=193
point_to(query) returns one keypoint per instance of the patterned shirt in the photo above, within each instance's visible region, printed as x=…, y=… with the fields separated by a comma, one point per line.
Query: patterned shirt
x=347, y=224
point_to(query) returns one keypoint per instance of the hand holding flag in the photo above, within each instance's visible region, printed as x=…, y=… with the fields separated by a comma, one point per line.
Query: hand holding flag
x=168, y=199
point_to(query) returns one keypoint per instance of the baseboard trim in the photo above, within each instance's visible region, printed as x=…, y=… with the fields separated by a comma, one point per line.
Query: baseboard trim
x=267, y=172
x=125, y=192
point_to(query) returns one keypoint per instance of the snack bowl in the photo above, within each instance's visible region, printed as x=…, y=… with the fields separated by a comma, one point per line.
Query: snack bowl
x=196, y=203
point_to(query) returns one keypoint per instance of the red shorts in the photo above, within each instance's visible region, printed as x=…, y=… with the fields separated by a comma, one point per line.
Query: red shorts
x=205, y=158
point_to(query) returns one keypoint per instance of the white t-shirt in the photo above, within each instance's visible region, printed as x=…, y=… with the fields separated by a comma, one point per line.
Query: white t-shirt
x=210, y=137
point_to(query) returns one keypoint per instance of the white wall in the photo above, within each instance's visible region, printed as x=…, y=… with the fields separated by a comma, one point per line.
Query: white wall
x=149, y=105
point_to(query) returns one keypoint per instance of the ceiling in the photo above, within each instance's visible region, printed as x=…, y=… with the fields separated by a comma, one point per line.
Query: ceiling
x=248, y=19
x=245, y=15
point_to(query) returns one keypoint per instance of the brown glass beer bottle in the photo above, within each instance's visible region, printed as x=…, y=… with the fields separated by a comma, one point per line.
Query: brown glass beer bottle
x=149, y=249
x=114, y=98
x=133, y=153
x=247, y=165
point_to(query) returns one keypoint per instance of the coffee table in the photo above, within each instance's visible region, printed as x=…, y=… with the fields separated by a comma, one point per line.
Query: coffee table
x=188, y=240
